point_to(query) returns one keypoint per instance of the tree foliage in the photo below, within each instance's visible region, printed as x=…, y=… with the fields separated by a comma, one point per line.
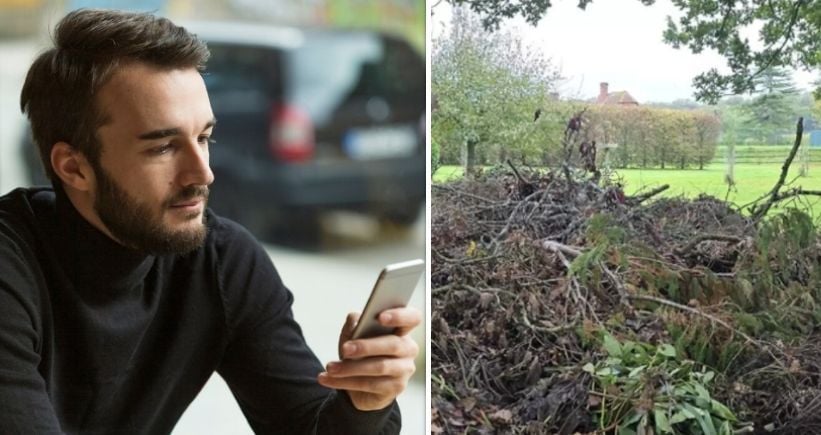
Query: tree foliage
x=772, y=111
x=769, y=120
x=488, y=86
x=648, y=137
x=790, y=32
x=816, y=109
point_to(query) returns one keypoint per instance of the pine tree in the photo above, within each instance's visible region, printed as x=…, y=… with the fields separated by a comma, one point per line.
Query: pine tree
x=771, y=112
x=817, y=96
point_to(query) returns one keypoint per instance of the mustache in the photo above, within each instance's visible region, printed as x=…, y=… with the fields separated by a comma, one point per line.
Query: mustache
x=189, y=193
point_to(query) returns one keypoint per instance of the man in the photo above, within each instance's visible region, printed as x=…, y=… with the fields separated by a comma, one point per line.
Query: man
x=120, y=293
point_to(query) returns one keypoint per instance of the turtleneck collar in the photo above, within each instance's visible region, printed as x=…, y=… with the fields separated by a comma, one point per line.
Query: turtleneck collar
x=91, y=259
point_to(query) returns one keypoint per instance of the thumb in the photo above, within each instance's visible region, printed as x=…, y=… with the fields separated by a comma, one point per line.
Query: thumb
x=347, y=330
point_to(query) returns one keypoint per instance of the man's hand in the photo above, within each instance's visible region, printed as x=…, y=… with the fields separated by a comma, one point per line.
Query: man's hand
x=375, y=370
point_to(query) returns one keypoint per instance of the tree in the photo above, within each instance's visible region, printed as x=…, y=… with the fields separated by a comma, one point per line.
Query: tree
x=435, y=161
x=681, y=103
x=772, y=112
x=790, y=35
x=805, y=107
x=668, y=146
x=488, y=86
x=816, y=111
x=653, y=136
x=707, y=127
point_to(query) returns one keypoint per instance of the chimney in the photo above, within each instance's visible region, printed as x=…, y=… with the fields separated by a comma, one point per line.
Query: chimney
x=602, y=92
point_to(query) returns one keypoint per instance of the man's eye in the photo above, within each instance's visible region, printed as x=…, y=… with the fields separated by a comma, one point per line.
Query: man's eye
x=162, y=149
x=206, y=140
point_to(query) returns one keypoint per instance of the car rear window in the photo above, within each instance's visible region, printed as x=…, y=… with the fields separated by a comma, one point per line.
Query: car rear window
x=243, y=78
x=319, y=76
x=331, y=68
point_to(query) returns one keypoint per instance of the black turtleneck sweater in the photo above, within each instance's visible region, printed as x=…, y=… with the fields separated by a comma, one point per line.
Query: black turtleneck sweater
x=97, y=339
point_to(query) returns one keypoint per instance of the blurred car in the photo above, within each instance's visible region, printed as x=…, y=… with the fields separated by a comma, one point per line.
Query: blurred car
x=311, y=120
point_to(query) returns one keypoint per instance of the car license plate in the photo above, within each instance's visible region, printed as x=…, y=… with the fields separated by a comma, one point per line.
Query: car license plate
x=379, y=142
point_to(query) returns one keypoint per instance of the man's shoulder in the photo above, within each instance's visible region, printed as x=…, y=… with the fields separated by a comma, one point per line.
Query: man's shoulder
x=22, y=212
x=23, y=201
x=22, y=209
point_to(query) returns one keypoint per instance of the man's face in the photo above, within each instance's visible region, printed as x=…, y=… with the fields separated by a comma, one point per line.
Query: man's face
x=153, y=171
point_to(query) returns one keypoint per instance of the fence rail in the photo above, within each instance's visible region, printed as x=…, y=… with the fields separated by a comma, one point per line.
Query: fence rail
x=763, y=156
x=765, y=161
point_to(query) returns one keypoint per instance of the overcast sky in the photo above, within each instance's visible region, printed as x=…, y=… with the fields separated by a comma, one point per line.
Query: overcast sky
x=614, y=41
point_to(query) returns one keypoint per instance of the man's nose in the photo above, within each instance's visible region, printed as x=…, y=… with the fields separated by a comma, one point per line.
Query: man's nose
x=195, y=167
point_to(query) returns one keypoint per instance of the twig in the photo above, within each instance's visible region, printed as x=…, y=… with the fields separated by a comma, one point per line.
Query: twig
x=488, y=290
x=551, y=245
x=796, y=192
x=703, y=238
x=623, y=295
x=566, y=170
x=575, y=289
x=461, y=192
x=638, y=199
x=495, y=242
x=690, y=309
x=571, y=227
x=710, y=317
x=551, y=330
x=516, y=171
x=441, y=289
x=760, y=198
x=526, y=188
x=461, y=261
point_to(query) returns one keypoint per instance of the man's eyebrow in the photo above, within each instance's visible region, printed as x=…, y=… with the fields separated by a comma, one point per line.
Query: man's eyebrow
x=159, y=134
x=168, y=132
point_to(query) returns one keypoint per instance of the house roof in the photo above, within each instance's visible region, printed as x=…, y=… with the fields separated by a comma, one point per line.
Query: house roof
x=619, y=97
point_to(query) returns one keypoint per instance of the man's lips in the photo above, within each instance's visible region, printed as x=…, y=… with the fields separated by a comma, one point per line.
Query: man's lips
x=188, y=203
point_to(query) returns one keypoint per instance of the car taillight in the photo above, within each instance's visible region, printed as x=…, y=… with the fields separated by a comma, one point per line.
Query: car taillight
x=291, y=134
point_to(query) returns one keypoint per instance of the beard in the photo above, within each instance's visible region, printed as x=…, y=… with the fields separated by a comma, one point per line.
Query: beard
x=137, y=226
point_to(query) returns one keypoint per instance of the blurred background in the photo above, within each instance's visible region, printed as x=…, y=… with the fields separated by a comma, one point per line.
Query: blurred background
x=320, y=148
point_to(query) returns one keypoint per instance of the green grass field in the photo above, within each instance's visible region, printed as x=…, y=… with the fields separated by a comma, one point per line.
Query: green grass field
x=752, y=181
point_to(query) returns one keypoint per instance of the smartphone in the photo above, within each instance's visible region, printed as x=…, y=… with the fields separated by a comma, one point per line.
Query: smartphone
x=393, y=289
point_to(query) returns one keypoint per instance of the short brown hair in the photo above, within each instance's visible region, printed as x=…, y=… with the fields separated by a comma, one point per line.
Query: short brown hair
x=89, y=44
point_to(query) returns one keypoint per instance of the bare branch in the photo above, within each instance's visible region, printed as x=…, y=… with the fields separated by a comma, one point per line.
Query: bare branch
x=689, y=309
x=638, y=199
x=703, y=238
x=796, y=192
x=759, y=212
x=551, y=245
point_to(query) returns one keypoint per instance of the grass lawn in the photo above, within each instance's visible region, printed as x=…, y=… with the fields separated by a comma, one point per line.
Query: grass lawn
x=448, y=173
x=752, y=181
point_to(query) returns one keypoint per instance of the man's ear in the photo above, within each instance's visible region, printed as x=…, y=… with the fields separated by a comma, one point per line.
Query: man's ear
x=72, y=167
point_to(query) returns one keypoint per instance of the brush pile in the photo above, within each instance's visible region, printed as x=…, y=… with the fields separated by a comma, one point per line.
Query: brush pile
x=546, y=286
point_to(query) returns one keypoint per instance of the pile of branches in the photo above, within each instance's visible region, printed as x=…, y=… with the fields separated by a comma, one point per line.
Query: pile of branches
x=526, y=265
